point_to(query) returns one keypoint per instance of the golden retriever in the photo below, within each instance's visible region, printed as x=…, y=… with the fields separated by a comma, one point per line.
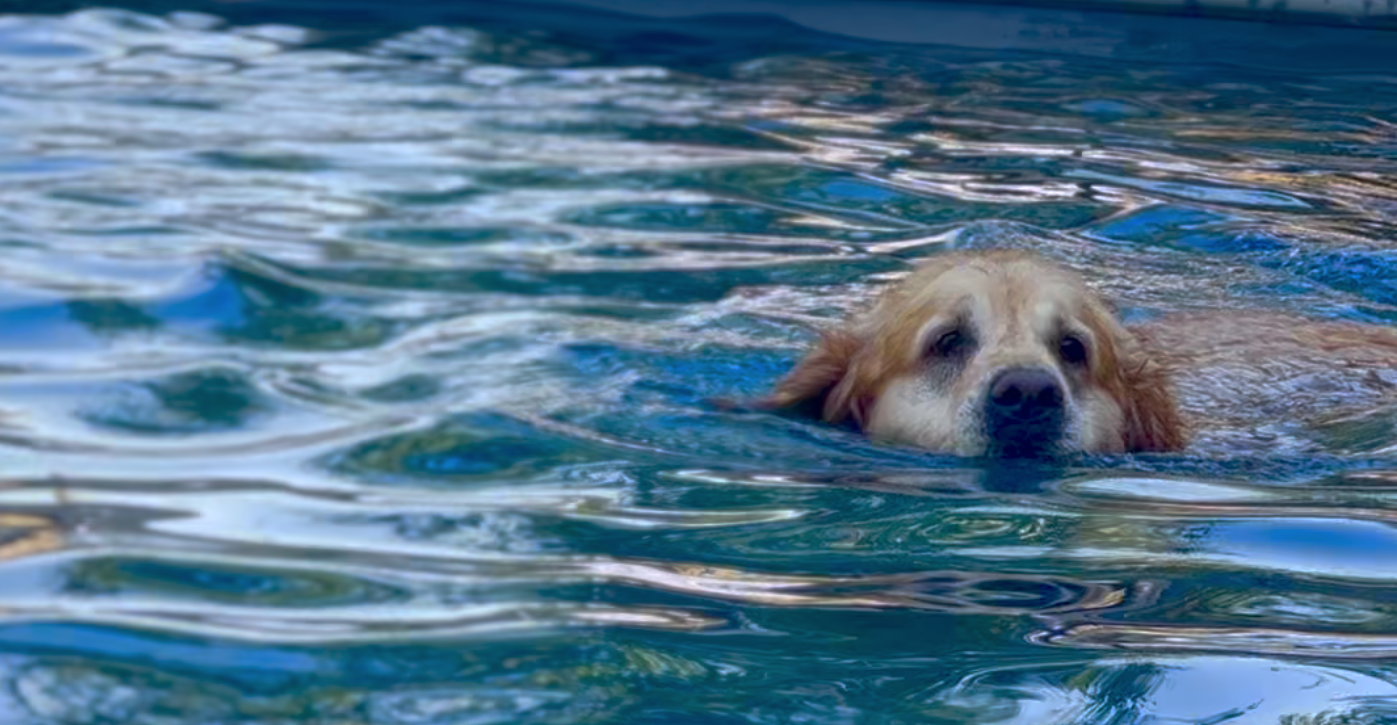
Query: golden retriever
x=989, y=353
x=1005, y=353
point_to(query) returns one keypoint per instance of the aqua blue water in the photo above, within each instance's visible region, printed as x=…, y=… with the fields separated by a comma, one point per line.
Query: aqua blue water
x=357, y=366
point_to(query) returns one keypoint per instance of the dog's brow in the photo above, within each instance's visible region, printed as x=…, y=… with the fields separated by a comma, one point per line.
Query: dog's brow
x=958, y=311
x=1048, y=316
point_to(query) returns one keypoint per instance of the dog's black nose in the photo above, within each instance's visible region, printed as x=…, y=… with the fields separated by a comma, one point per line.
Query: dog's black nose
x=1024, y=413
x=1023, y=395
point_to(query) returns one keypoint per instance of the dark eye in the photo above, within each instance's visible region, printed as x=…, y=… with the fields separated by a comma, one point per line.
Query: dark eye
x=953, y=344
x=1072, y=350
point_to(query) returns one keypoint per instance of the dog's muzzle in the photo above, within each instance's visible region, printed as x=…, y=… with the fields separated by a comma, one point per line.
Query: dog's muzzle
x=1025, y=411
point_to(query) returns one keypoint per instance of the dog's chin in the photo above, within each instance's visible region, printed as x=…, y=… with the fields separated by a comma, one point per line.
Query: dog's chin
x=1043, y=437
x=1025, y=447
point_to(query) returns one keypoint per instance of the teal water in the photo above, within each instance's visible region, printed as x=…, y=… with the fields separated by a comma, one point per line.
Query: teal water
x=358, y=365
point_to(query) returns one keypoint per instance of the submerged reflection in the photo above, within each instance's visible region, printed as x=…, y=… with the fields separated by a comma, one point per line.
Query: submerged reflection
x=1197, y=689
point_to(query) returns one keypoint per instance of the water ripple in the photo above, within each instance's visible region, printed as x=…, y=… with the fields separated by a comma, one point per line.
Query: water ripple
x=368, y=365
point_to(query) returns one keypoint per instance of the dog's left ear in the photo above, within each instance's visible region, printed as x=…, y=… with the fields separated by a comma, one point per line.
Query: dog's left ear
x=1152, y=421
x=820, y=385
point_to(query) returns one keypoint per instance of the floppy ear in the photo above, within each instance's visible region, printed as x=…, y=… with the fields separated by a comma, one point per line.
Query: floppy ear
x=820, y=385
x=1152, y=421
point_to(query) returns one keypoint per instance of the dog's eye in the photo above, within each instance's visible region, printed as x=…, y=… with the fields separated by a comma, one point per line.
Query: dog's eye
x=954, y=343
x=1072, y=350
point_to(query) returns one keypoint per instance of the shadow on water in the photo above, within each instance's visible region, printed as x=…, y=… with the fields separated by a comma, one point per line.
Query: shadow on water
x=360, y=367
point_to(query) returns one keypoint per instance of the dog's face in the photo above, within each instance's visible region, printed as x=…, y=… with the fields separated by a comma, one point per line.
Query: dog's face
x=999, y=353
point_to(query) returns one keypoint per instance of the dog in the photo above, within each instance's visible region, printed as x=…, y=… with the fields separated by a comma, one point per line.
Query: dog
x=999, y=354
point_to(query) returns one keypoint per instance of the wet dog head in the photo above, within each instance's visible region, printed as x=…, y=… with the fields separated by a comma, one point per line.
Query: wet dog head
x=989, y=353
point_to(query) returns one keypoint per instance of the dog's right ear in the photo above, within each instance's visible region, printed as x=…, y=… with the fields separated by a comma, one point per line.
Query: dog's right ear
x=818, y=386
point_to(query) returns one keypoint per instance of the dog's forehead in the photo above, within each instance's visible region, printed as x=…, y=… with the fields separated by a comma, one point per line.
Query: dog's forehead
x=1024, y=291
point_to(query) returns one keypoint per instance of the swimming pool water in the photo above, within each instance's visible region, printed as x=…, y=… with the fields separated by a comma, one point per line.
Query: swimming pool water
x=359, y=364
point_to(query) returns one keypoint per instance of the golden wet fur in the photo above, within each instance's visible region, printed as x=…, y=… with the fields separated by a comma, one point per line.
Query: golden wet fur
x=917, y=368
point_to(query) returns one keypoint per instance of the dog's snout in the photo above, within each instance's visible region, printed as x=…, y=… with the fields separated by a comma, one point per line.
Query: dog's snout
x=1024, y=394
x=1024, y=412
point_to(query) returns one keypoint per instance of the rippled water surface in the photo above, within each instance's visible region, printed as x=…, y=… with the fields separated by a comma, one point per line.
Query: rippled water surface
x=358, y=367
